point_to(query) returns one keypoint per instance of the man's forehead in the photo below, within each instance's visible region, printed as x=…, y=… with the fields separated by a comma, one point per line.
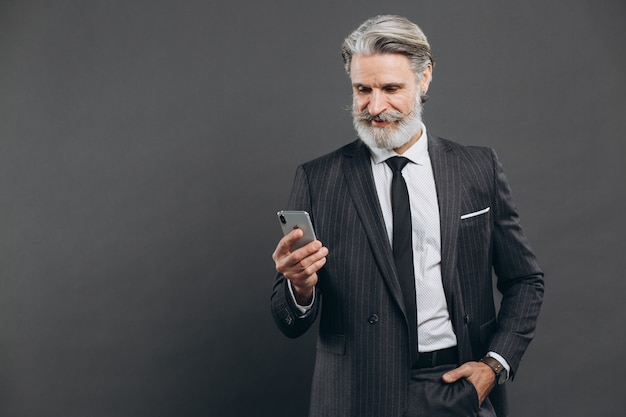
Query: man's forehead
x=383, y=68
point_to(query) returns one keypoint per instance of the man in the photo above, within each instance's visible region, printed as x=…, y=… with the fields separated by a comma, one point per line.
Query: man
x=430, y=344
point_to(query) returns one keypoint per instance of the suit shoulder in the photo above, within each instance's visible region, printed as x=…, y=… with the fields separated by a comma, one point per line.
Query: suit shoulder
x=452, y=145
x=333, y=158
x=468, y=153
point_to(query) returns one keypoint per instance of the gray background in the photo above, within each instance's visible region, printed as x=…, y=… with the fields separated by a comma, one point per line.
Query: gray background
x=146, y=146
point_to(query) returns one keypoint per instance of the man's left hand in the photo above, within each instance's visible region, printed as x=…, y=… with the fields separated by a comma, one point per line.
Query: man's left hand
x=480, y=375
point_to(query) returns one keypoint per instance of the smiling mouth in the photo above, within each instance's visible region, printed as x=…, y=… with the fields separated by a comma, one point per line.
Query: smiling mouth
x=378, y=122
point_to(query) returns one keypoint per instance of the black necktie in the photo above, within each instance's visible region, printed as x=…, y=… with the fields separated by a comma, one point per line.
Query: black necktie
x=402, y=247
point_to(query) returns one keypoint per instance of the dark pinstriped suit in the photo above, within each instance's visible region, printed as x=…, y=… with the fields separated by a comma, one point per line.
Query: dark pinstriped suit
x=362, y=367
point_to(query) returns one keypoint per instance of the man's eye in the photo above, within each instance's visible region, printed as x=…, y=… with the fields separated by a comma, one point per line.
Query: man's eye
x=363, y=90
x=391, y=89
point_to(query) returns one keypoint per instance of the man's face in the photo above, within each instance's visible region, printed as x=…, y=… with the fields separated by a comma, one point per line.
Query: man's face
x=387, y=106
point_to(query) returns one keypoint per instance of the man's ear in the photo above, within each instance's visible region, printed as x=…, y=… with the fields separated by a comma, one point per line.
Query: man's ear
x=426, y=79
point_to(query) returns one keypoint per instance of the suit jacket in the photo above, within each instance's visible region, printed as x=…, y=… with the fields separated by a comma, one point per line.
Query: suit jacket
x=362, y=364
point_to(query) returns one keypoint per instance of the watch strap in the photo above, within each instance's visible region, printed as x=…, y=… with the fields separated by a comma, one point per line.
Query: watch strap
x=497, y=368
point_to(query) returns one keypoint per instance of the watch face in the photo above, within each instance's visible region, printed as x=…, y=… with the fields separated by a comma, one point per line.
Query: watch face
x=501, y=377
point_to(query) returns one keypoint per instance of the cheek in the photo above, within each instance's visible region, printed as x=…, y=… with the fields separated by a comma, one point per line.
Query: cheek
x=360, y=103
x=403, y=104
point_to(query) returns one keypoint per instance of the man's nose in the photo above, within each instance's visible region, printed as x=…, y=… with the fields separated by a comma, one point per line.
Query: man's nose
x=377, y=103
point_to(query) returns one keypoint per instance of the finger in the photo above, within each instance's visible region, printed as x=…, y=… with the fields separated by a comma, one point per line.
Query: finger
x=455, y=374
x=311, y=269
x=303, y=262
x=284, y=244
x=305, y=251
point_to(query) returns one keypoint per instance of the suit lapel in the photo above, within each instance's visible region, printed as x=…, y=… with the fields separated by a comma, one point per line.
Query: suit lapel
x=446, y=170
x=447, y=173
x=357, y=172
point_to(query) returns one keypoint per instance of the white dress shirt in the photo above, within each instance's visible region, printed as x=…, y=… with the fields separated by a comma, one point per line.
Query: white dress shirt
x=434, y=329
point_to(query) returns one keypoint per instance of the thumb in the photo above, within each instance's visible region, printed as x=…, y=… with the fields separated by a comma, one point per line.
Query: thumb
x=453, y=375
x=289, y=239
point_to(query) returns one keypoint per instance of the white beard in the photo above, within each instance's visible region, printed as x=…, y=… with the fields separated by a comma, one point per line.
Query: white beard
x=388, y=137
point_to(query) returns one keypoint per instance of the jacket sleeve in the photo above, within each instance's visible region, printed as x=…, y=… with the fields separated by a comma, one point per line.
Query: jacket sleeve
x=284, y=311
x=519, y=278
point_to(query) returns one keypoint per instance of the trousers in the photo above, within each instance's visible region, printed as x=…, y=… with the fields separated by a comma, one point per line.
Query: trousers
x=429, y=396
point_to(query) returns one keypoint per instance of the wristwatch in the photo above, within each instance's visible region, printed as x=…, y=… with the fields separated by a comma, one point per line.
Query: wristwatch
x=500, y=371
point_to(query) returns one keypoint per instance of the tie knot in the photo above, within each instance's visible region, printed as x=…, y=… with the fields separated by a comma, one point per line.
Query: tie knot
x=397, y=163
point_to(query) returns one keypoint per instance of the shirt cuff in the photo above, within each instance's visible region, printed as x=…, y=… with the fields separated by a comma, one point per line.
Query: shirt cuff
x=302, y=309
x=503, y=361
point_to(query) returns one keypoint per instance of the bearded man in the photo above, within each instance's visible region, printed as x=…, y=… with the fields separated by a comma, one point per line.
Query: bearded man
x=410, y=228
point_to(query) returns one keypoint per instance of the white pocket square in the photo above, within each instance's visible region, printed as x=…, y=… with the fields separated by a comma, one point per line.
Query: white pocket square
x=476, y=213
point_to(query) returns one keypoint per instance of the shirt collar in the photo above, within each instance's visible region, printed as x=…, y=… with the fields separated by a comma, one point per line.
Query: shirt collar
x=417, y=153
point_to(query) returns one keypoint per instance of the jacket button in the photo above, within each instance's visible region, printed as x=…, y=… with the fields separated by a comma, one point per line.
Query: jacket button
x=373, y=319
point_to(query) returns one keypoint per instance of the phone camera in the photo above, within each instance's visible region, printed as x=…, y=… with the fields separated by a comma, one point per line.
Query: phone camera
x=282, y=219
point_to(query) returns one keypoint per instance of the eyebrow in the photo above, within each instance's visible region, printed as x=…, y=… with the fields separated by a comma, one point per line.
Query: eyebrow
x=391, y=84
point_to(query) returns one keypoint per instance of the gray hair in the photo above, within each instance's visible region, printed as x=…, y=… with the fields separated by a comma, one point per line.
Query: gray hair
x=389, y=34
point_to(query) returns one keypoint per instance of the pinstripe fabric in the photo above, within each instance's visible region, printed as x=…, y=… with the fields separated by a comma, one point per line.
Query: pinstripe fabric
x=362, y=366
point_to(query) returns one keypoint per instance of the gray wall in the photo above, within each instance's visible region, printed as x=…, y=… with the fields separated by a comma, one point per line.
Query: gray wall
x=146, y=146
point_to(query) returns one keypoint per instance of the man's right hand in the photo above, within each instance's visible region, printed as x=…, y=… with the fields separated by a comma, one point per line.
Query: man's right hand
x=300, y=266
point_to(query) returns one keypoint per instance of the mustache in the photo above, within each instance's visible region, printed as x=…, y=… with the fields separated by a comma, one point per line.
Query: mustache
x=390, y=116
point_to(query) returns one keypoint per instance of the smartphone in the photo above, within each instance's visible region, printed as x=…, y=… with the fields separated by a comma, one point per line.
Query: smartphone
x=290, y=220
